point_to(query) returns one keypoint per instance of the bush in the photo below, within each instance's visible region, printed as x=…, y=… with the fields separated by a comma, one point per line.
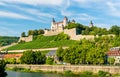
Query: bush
x=2, y=69
x=10, y=61
x=103, y=74
x=62, y=36
x=68, y=72
x=87, y=73
x=49, y=61
x=31, y=57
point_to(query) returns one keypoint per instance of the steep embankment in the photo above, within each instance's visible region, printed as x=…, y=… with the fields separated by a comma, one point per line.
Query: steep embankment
x=43, y=42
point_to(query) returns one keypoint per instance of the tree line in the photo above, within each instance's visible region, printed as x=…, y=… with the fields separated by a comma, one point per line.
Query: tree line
x=89, y=52
x=85, y=30
x=32, y=32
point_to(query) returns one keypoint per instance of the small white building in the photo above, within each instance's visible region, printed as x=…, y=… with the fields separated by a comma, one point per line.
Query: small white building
x=114, y=53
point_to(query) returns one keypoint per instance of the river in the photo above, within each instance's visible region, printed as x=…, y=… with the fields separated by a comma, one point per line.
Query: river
x=26, y=74
x=30, y=74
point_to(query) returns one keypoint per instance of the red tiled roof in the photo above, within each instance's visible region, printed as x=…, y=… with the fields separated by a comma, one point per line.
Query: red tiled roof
x=12, y=55
x=113, y=53
x=59, y=22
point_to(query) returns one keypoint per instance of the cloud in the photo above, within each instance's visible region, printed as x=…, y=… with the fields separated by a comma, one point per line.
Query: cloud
x=83, y=17
x=3, y=4
x=36, y=2
x=114, y=8
x=4, y=31
x=12, y=15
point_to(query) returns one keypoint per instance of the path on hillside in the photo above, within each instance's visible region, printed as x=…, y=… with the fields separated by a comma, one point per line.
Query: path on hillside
x=4, y=47
x=43, y=49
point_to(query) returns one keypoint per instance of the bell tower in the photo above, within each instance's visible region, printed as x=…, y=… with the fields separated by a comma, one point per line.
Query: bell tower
x=91, y=24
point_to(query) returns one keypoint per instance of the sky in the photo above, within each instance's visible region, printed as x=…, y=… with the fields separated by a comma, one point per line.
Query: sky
x=17, y=16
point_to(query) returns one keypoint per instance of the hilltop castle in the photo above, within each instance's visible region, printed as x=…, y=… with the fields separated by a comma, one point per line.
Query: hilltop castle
x=57, y=27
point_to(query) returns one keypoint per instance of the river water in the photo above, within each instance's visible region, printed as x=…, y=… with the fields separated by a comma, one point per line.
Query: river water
x=26, y=74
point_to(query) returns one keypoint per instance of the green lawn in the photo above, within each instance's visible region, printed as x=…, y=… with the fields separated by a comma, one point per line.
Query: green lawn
x=43, y=42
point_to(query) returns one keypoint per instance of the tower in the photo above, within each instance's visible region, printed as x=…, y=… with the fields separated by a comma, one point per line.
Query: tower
x=91, y=23
x=52, y=24
x=65, y=21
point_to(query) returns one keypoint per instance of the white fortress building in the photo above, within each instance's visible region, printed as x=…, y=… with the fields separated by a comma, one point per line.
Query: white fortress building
x=59, y=25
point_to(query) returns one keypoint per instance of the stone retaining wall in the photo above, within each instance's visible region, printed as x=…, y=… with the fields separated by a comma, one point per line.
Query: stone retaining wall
x=73, y=68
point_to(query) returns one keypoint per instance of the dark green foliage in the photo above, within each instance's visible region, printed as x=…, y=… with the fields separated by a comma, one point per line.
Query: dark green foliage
x=6, y=40
x=115, y=30
x=2, y=69
x=95, y=31
x=35, y=32
x=75, y=25
x=31, y=57
x=87, y=73
x=50, y=61
x=23, y=34
x=88, y=52
x=68, y=72
x=111, y=61
x=103, y=74
x=62, y=36
x=58, y=53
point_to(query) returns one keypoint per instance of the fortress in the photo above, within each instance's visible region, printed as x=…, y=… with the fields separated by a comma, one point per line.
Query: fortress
x=58, y=27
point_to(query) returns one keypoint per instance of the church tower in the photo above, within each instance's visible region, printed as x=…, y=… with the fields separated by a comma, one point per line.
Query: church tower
x=53, y=24
x=91, y=24
x=65, y=21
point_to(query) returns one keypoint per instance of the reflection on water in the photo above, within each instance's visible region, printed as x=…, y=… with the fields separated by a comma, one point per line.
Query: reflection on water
x=26, y=74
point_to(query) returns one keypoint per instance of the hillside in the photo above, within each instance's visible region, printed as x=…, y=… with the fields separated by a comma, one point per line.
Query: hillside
x=43, y=42
x=7, y=40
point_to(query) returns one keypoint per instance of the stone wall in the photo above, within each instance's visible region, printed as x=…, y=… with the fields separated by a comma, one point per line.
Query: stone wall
x=52, y=32
x=73, y=68
x=73, y=35
x=26, y=39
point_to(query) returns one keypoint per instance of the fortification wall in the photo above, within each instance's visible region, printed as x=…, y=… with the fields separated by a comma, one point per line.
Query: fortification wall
x=73, y=35
x=26, y=39
x=73, y=68
x=51, y=32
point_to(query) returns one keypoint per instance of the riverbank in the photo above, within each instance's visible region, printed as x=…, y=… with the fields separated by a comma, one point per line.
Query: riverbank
x=62, y=68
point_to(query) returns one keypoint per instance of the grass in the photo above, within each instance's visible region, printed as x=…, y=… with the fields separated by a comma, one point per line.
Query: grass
x=43, y=42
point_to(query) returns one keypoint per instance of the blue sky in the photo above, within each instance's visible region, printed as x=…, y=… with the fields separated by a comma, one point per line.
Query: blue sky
x=18, y=16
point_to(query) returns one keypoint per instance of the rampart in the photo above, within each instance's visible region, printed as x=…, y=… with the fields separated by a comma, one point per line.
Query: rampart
x=73, y=68
x=26, y=39
x=74, y=36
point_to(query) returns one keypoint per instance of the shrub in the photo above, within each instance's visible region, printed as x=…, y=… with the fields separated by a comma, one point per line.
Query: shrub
x=49, y=61
x=68, y=72
x=87, y=73
x=103, y=74
x=62, y=36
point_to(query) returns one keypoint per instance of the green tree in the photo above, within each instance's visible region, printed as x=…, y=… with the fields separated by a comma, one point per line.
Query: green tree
x=2, y=69
x=28, y=57
x=111, y=61
x=50, y=61
x=33, y=57
x=39, y=57
x=59, y=53
x=115, y=30
x=23, y=34
x=40, y=31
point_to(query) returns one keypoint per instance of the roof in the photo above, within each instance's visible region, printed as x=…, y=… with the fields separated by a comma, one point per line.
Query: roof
x=114, y=51
x=51, y=53
x=12, y=55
